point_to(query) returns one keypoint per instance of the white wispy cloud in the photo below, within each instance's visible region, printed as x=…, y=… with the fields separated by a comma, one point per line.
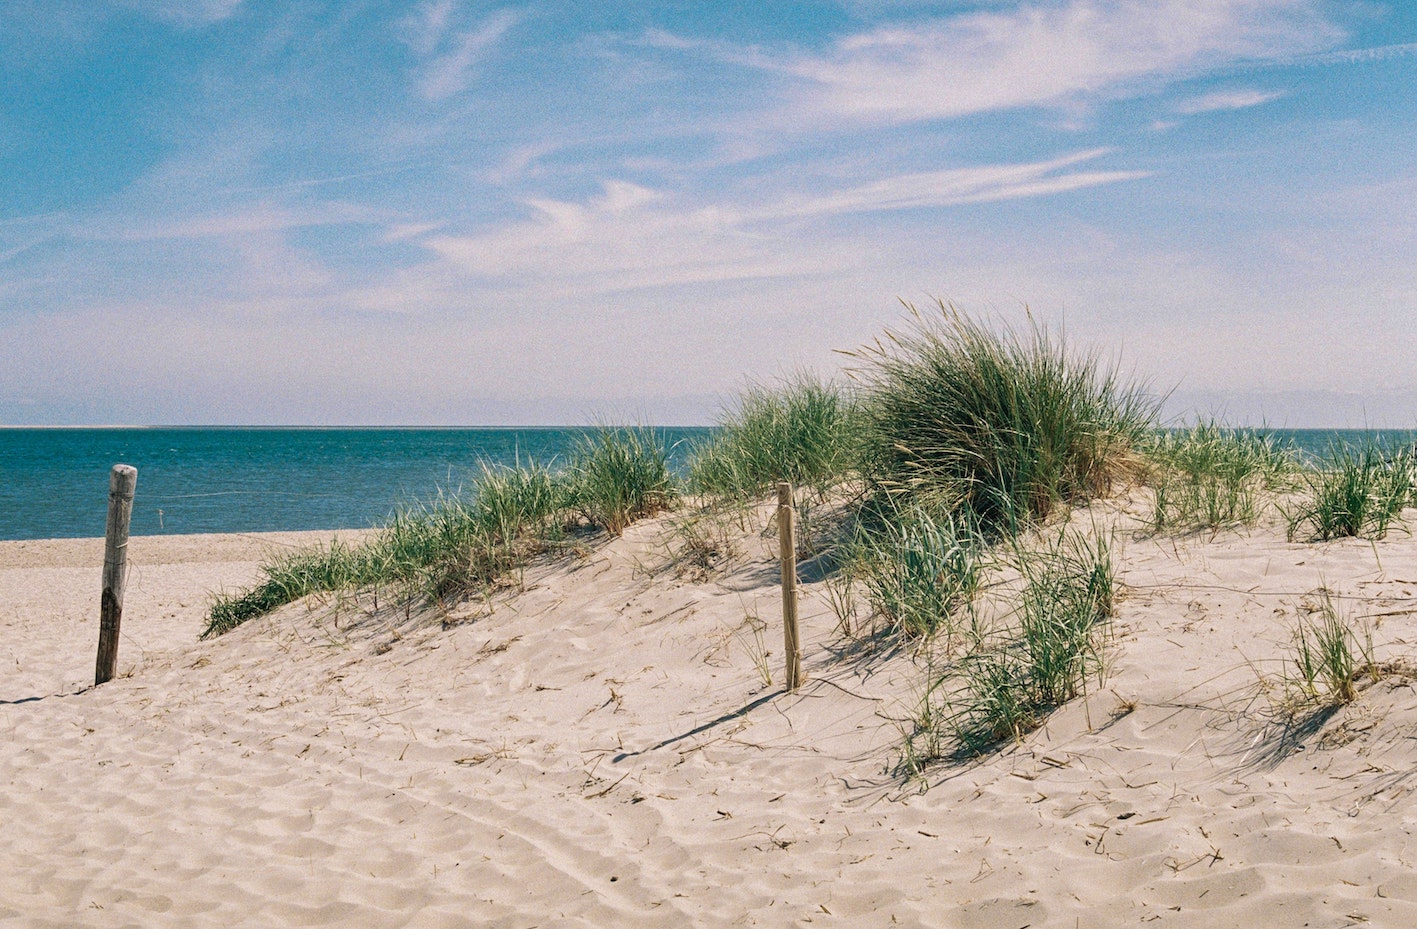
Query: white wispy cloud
x=402, y=232
x=322, y=181
x=1351, y=55
x=631, y=236
x=1048, y=55
x=451, y=54
x=626, y=238
x=425, y=29
x=20, y=234
x=10, y=252
x=955, y=186
x=1226, y=100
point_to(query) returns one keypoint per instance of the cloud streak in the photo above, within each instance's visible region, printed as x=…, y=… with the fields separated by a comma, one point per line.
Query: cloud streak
x=1348, y=56
x=189, y=13
x=1226, y=100
x=254, y=219
x=633, y=237
x=956, y=186
x=451, y=56
x=1048, y=56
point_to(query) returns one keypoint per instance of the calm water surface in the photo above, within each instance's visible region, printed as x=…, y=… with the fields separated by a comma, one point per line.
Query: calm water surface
x=54, y=482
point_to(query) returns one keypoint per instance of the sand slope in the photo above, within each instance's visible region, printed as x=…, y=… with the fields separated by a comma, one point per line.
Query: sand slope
x=601, y=749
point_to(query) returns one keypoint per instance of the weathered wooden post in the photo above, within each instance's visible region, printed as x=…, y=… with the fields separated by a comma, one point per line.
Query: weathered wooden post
x=121, y=483
x=785, y=534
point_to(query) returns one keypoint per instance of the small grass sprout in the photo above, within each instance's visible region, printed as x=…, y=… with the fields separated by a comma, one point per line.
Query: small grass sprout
x=838, y=587
x=751, y=635
x=1328, y=658
x=923, y=730
x=701, y=542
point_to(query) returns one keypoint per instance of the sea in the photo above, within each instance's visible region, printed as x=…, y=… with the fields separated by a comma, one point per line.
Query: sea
x=54, y=481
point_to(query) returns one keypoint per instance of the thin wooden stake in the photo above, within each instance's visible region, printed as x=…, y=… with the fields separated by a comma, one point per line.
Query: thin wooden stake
x=791, y=639
x=121, y=484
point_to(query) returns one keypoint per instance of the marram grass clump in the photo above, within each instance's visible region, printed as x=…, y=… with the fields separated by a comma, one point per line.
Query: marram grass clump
x=920, y=571
x=804, y=430
x=1328, y=657
x=1010, y=684
x=621, y=475
x=1005, y=425
x=1037, y=649
x=288, y=577
x=431, y=551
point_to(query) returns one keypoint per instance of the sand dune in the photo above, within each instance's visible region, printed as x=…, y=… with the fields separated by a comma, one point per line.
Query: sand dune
x=601, y=749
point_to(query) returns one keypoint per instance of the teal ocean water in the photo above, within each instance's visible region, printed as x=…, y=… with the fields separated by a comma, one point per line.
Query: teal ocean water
x=54, y=482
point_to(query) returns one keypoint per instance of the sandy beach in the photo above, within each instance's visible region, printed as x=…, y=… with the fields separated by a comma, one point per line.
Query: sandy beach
x=600, y=748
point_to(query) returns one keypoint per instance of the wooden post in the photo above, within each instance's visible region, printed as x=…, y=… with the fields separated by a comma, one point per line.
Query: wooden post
x=121, y=483
x=791, y=640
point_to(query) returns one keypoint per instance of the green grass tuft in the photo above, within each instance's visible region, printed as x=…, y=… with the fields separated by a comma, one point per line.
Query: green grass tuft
x=919, y=571
x=288, y=577
x=1359, y=492
x=621, y=475
x=1070, y=590
x=1210, y=477
x=1007, y=689
x=1004, y=425
x=803, y=431
x=452, y=545
x=1328, y=659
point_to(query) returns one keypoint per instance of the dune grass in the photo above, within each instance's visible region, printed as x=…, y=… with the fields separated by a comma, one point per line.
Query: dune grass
x=1357, y=492
x=1069, y=591
x=1328, y=658
x=919, y=571
x=959, y=438
x=1006, y=425
x=462, y=543
x=1039, y=654
x=1207, y=476
x=802, y=430
x=287, y=578
x=621, y=474
x=992, y=432
x=452, y=544
x=1008, y=687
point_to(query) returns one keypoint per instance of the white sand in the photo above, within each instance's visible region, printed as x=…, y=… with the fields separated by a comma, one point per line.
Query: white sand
x=602, y=751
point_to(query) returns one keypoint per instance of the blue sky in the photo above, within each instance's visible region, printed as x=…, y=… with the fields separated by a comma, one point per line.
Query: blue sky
x=236, y=211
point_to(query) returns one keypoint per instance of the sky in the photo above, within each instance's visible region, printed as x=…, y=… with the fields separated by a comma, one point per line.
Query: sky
x=568, y=211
